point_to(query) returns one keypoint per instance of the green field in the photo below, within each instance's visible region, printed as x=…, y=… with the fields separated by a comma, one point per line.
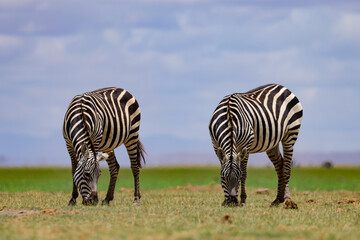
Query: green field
x=59, y=179
x=180, y=203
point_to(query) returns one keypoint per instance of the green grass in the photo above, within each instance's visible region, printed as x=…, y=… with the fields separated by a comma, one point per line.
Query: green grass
x=181, y=213
x=59, y=179
x=175, y=207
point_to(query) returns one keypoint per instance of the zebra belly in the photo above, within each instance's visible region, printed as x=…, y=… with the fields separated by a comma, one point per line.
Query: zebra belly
x=263, y=149
x=108, y=148
x=114, y=134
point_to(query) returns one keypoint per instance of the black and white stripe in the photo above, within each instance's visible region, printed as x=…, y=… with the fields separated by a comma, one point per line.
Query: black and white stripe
x=253, y=122
x=100, y=121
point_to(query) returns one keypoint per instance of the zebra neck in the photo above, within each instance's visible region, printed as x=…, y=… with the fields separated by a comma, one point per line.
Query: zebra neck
x=89, y=138
x=231, y=126
x=78, y=145
x=239, y=124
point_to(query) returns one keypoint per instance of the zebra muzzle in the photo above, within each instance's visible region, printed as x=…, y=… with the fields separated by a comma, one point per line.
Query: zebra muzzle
x=233, y=192
x=92, y=199
x=94, y=196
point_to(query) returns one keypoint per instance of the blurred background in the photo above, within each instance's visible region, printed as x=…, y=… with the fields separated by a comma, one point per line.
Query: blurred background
x=178, y=58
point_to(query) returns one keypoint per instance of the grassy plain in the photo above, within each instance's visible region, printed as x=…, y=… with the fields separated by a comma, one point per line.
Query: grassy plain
x=59, y=179
x=180, y=203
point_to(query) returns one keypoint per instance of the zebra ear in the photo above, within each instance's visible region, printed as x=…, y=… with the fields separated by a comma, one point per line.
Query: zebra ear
x=221, y=154
x=85, y=150
x=243, y=154
x=102, y=157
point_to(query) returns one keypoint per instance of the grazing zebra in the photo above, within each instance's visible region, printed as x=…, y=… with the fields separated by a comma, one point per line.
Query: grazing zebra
x=253, y=122
x=100, y=121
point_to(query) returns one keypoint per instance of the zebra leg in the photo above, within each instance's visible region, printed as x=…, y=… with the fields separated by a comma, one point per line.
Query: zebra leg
x=288, y=152
x=75, y=192
x=278, y=161
x=114, y=171
x=132, y=149
x=137, y=194
x=243, y=166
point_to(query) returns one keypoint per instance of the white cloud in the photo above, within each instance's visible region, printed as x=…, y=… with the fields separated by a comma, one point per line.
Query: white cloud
x=31, y=27
x=347, y=27
x=50, y=50
x=173, y=62
x=112, y=36
x=14, y=3
x=8, y=43
x=173, y=1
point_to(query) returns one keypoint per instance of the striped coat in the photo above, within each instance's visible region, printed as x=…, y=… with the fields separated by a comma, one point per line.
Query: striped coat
x=253, y=122
x=100, y=121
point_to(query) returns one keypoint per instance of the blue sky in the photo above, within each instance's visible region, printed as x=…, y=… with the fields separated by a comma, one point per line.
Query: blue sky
x=178, y=58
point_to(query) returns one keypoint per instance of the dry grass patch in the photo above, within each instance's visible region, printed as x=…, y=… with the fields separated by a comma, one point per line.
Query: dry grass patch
x=189, y=212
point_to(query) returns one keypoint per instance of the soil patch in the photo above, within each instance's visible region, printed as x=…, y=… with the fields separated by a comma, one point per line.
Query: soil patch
x=226, y=219
x=265, y=191
x=21, y=212
x=349, y=200
x=24, y=212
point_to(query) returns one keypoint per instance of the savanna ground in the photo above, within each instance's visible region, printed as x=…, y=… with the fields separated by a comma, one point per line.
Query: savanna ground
x=180, y=203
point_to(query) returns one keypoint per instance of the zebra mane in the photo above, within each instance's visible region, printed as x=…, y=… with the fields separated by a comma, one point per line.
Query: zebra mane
x=87, y=128
x=232, y=134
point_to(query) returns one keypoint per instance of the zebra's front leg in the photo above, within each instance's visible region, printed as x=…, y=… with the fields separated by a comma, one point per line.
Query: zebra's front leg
x=278, y=161
x=75, y=194
x=243, y=195
x=114, y=171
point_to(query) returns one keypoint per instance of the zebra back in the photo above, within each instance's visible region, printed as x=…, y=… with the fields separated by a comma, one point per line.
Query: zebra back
x=260, y=119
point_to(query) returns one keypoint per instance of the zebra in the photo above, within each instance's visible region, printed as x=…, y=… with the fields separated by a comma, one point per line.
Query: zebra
x=100, y=121
x=253, y=122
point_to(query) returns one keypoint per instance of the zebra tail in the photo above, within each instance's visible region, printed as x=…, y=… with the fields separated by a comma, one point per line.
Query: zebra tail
x=140, y=154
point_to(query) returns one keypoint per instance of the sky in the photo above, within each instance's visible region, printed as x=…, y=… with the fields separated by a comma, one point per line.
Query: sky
x=178, y=58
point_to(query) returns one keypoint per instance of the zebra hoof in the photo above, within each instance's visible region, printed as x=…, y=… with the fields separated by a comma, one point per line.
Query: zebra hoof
x=276, y=203
x=105, y=202
x=136, y=202
x=290, y=204
x=72, y=202
x=231, y=202
x=90, y=202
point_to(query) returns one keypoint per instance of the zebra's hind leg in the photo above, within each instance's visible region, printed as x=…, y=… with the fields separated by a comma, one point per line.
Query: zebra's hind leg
x=137, y=194
x=288, y=152
x=134, y=151
x=278, y=161
x=114, y=171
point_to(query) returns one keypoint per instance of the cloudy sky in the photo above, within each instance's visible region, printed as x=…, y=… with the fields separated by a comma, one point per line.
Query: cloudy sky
x=178, y=58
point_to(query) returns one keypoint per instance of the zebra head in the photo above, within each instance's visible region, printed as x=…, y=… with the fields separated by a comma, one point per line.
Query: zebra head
x=87, y=174
x=230, y=175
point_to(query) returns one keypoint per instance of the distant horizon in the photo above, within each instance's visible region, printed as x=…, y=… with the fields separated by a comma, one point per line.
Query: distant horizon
x=204, y=159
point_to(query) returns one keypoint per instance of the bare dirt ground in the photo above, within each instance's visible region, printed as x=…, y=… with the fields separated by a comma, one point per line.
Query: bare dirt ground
x=24, y=212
